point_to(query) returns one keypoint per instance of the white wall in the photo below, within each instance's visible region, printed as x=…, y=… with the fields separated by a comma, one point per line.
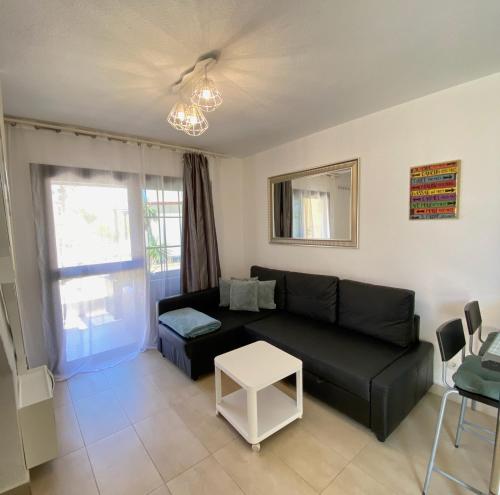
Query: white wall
x=227, y=190
x=446, y=262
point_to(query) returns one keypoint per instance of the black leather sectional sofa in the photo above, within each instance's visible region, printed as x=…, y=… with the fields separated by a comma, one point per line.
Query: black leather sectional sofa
x=359, y=343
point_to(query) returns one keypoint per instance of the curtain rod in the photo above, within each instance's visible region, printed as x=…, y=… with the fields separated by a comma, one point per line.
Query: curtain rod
x=86, y=131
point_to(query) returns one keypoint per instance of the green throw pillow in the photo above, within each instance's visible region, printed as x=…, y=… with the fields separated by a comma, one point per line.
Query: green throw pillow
x=266, y=294
x=244, y=295
x=225, y=288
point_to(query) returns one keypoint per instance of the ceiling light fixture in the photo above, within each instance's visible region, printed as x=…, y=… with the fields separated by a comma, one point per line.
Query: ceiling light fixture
x=205, y=96
x=177, y=116
x=195, y=123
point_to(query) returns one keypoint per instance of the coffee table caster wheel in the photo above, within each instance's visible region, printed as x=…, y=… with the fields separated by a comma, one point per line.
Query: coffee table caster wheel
x=256, y=447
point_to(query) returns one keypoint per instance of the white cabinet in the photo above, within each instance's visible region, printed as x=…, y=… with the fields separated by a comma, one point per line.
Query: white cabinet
x=36, y=415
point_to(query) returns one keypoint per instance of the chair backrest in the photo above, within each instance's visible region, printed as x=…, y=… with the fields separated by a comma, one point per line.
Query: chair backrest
x=473, y=316
x=451, y=338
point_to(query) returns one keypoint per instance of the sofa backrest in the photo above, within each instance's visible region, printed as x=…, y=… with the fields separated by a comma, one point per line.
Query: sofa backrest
x=386, y=313
x=312, y=295
x=203, y=300
x=271, y=274
x=383, y=312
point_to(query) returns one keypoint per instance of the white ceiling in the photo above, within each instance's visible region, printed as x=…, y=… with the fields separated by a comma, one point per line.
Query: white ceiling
x=288, y=67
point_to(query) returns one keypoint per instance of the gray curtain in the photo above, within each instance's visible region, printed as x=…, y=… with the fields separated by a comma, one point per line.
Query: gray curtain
x=200, y=267
x=283, y=209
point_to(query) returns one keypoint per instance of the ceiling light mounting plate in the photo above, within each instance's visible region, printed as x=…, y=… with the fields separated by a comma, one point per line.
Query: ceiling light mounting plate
x=203, y=63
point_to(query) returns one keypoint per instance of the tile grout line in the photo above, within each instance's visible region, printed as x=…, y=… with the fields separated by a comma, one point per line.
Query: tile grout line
x=228, y=474
x=312, y=433
x=83, y=439
x=334, y=478
x=122, y=409
x=383, y=483
x=85, y=446
x=280, y=458
x=258, y=453
x=297, y=473
x=172, y=406
x=212, y=454
x=164, y=482
x=112, y=391
x=324, y=445
x=189, y=468
x=132, y=424
x=78, y=425
x=169, y=406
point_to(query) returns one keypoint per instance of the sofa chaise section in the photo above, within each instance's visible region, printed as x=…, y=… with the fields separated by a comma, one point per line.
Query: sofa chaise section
x=196, y=356
x=367, y=361
x=374, y=382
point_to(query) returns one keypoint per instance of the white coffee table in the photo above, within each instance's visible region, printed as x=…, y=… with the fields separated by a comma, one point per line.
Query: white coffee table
x=258, y=409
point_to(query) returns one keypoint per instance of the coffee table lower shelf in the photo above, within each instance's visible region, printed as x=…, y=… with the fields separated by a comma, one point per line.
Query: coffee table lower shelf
x=275, y=410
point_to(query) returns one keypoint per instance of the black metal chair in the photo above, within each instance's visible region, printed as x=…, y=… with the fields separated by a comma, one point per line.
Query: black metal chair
x=475, y=324
x=475, y=327
x=471, y=381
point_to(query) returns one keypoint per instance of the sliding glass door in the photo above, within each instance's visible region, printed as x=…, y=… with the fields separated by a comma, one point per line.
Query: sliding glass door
x=163, y=228
x=94, y=278
x=109, y=246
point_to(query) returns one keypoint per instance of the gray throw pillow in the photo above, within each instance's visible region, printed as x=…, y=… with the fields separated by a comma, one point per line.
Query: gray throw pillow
x=266, y=294
x=225, y=288
x=244, y=295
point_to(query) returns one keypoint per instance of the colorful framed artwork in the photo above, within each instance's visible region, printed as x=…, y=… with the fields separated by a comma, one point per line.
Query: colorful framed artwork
x=434, y=191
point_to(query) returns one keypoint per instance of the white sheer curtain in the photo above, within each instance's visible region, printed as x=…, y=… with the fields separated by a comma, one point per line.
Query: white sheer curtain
x=161, y=176
x=163, y=227
x=311, y=214
x=91, y=258
x=109, y=261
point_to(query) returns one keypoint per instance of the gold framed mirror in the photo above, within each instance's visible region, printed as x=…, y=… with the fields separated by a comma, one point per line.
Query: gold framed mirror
x=315, y=207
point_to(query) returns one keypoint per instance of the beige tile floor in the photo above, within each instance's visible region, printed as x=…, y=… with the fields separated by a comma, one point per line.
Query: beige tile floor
x=143, y=428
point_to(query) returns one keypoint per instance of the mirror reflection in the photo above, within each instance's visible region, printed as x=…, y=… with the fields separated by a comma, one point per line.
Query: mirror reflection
x=315, y=205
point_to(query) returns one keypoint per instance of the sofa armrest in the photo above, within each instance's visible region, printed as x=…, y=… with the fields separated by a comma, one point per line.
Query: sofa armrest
x=202, y=300
x=416, y=327
x=397, y=389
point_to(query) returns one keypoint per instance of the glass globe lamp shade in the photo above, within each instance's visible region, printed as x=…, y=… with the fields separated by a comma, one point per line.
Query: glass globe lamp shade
x=195, y=122
x=177, y=116
x=206, y=95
